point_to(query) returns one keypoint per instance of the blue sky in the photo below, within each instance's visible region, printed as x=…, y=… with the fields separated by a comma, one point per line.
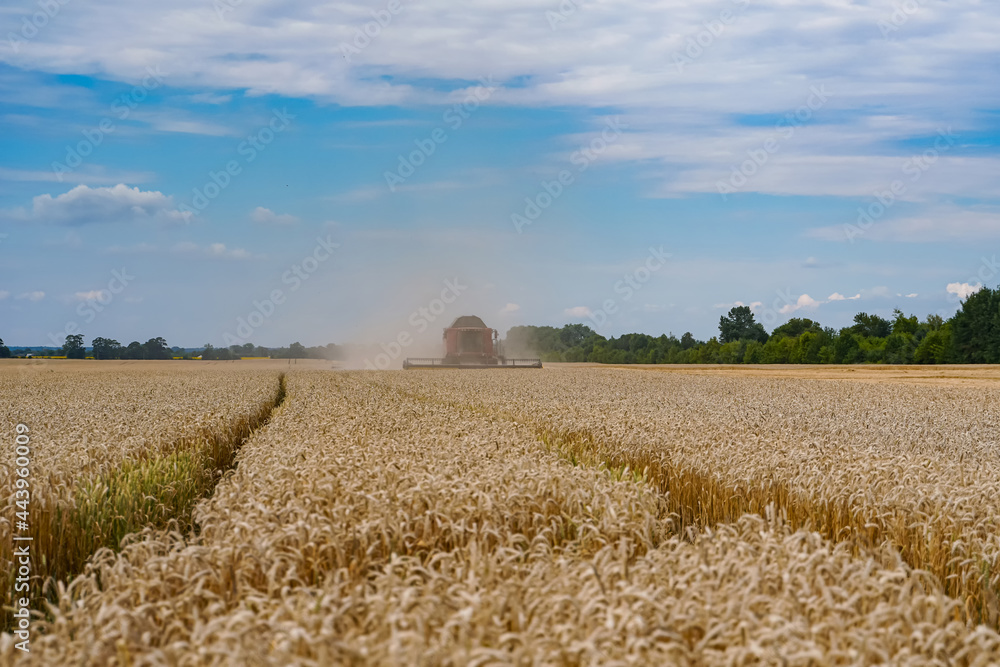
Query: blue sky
x=266, y=172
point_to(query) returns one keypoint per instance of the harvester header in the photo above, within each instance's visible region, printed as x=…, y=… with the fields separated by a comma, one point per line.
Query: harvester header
x=469, y=343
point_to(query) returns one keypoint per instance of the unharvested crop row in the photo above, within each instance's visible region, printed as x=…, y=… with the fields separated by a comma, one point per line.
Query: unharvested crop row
x=915, y=466
x=100, y=469
x=366, y=525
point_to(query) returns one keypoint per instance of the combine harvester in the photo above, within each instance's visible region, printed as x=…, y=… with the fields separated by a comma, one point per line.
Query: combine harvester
x=469, y=343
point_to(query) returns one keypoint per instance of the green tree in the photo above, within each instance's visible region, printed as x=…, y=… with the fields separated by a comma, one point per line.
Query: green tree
x=156, y=348
x=871, y=326
x=778, y=350
x=903, y=324
x=688, y=341
x=753, y=352
x=975, y=328
x=297, y=351
x=795, y=327
x=739, y=324
x=900, y=348
x=134, y=350
x=934, y=322
x=106, y=348
x=4, y=350
x=73, y=347
x=935, y=347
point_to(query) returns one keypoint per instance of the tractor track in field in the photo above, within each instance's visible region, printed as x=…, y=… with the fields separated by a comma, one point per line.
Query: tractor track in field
x=154, y=491
x=699, y=499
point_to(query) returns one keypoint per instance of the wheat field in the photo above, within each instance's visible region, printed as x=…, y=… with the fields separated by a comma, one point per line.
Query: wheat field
x=569, y=516
x=116, y=447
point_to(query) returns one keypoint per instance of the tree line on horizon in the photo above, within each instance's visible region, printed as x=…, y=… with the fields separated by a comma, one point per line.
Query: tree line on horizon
x=971, y=336
x=156, y=348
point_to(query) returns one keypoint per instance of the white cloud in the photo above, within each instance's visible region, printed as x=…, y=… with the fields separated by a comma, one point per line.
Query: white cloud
x=85, y=205
x=949, y=223
x=837, y=296
x=909, y=296
x=578, y=311
x=210, y=98
x=4, y=294
x=31, y=296
x=510, y=308
x=266, y=216
x=211, y=251
x=804, y=301
x=92, y=295
x=963, y=290
x=607, y=53
x=682, y=127
x=183, y=123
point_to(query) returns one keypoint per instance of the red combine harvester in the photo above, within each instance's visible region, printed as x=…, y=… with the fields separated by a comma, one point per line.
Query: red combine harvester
x=469, y=343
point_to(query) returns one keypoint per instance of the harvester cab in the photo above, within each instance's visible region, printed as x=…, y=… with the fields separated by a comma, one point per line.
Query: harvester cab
x=469, y=343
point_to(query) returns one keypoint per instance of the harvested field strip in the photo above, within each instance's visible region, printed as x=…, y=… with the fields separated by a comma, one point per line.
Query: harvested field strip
x=153, y=491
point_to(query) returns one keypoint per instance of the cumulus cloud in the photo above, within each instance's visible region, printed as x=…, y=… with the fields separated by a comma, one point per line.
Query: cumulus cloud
x=963, y=290
x=804, y=301
x=608, y=53
x=31, y=296
x=510, y=308
x=84, y=205
x=578, y=311
x=92, y=295
x=837, y=296
x=266, y=216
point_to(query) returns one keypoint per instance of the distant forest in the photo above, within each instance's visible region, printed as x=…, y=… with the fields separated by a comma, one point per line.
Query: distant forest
x=156, y=348
x=970, y=336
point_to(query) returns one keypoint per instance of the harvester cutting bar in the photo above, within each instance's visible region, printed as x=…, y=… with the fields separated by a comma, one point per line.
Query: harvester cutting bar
x=416, y=362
